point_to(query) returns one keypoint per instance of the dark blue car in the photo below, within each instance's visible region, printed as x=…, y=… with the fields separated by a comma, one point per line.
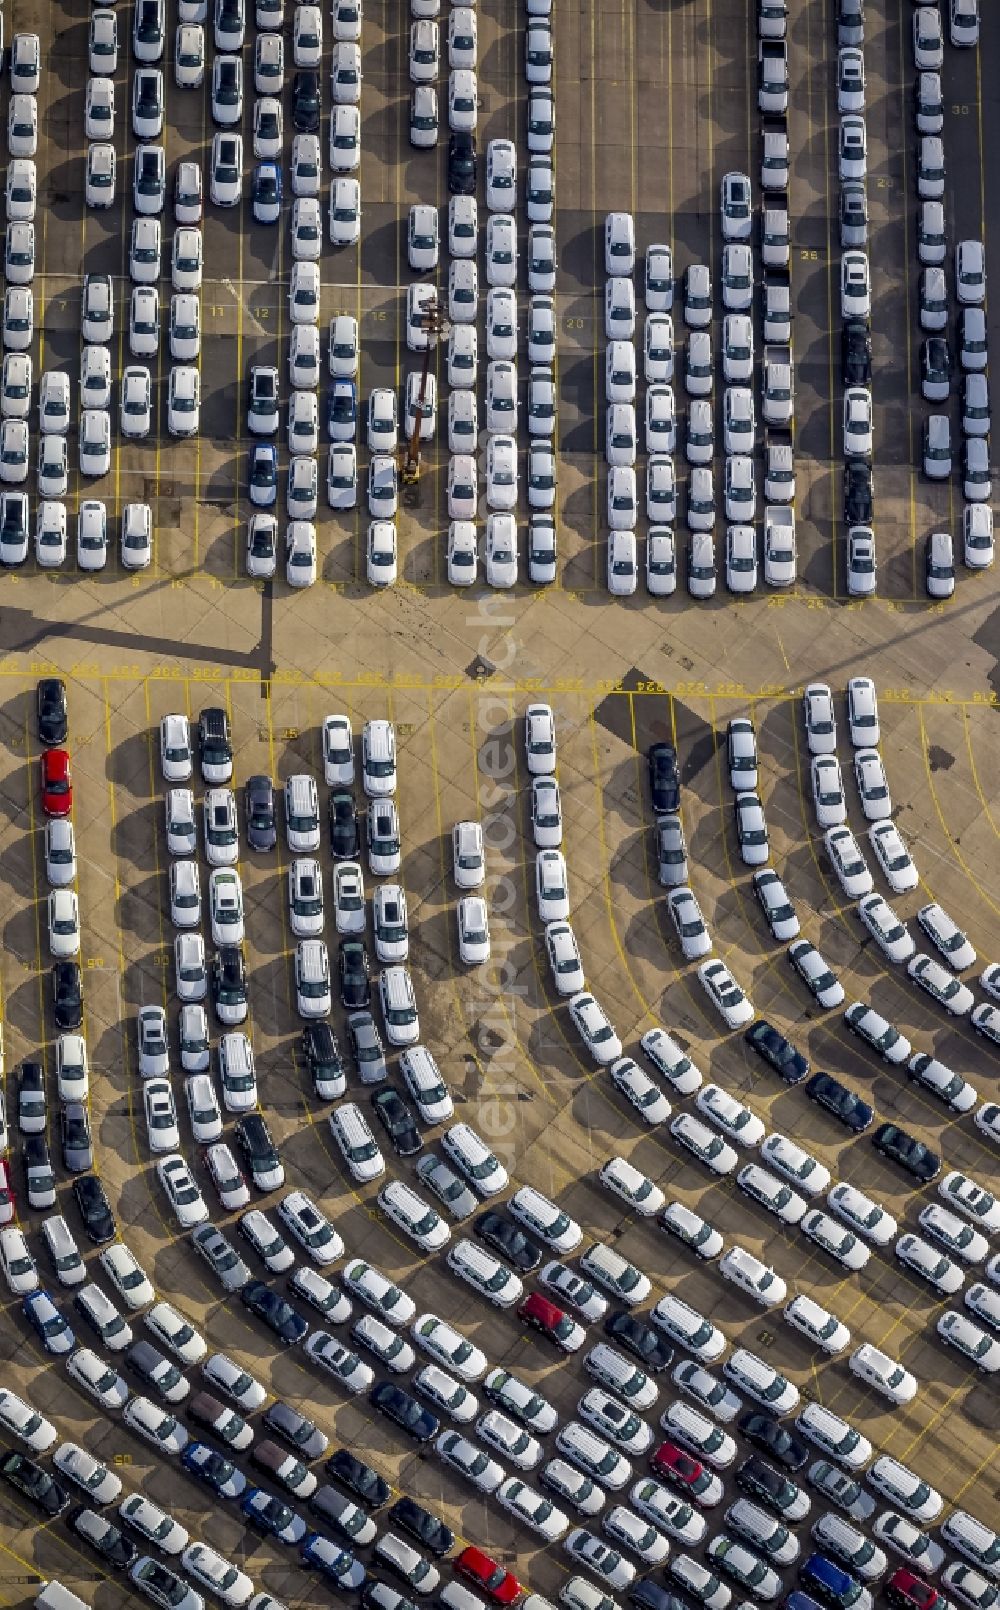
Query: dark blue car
x=262, y=474
x=214, y=1470
x=44, y=1317
x=266, y=193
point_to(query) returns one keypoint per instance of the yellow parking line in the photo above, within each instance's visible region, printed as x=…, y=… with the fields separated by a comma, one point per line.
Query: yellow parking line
x=978, y=883
x=980, y=794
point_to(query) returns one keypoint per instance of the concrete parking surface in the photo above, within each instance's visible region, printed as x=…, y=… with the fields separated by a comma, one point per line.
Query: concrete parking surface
x=656, y=100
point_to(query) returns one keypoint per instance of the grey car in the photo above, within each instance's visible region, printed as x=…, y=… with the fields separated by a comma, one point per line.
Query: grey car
x=853, y=215
x=842, y=1490
x=74, y=1128
x=671, y=851
x=157, y=1371
x=221, y=1256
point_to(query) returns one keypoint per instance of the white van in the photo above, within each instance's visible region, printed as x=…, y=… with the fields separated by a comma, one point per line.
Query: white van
x=973, y=1538
x=834, y=1436
x=700, y=1435
x=620, y=1375
x=540, y=1215
x=423, y=1080
x=350, y=1130
x=54, y=1596
x=843, y=1540
x=479, y=1269
x=591, y=1454
x=420, y=1222
x=473, y=1158
x=399, y=1006
x=621, y=1278
x=301, y=813
x=378, y=759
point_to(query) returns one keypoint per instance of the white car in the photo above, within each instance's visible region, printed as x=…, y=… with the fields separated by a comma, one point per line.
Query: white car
x=888, y=931
x=473, y=930
x=176, y=757
x=725, y=994
x=501, y=472
x=873, y=787
x=945, y=934
x=893, y=857
x=632, y=1186
x=551, y=886
x=795, y=1165
x=595, y=1028
x=183, y=401
x=209, y=1568
x=685, y=914
x=735, y=1120
x=828, y=791
x=162, y=1130
x=868, y=1218
x=771, y=1193
x=97, y=1378
x=448, y=1347
x=564, y=958
x=185, y=894
x=176, y=1334
x=833, y=1238
x=704, y=1143
x=980, y=1205
x=501, y=550
x=182, y=1192
x=641, y=1091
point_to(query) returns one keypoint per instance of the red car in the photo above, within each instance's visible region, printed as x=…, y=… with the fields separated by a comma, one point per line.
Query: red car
x=498, y=1582
x=6, y=1193
x=910, y=1592
x=679, y=1467
x=57, y=784
x=552, y=1322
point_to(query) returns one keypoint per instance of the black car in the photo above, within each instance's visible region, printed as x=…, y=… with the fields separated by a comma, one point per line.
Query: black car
x=280, y=1317
x=907, y=1151
x=217, y=1472
x=345, y=838
x=364, y=1482
x=257, y=1145
x=856, y=352
x=859, y=498
x=397, y=1121
x=105, y=1539
x=227, y=982
x=766, y=1040
x=305, y=101
x=215, y=740
x=499, y=1231
x=53, y=712
x=756, y=1477
x=422, y=1525
x=769, y=1434
x=462, y=163
x=35, y=1483
x=321, y=1051
x=935, y=364
x=262, y=832
x=641, y=1340
x=295, y=1429
x=664, y=780
x=274, y=1518
x=411, y=1416
x=837, y=1099
x=354, y=974
x=95, y=1209
x=67, y=995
